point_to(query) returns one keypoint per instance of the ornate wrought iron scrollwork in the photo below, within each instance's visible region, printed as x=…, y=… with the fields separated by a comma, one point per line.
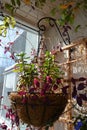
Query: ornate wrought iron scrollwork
x=52, y=22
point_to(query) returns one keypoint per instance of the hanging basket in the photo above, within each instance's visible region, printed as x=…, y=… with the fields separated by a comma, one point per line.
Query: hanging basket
x=38, y=110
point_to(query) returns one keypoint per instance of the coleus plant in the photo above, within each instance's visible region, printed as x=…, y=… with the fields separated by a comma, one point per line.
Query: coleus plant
x=79, y=90
x=45, y=77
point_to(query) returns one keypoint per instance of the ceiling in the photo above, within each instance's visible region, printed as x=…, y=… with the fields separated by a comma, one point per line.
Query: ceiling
x=30, y=15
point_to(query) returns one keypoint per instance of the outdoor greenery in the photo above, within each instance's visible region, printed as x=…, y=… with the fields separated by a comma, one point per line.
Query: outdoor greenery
x=67, y=10
x=8, y=22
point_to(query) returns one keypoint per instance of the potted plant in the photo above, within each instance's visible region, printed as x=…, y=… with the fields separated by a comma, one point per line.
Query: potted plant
x=39, y=99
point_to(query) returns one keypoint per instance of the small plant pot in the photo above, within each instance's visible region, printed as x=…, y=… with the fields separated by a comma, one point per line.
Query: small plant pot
x=38, y=110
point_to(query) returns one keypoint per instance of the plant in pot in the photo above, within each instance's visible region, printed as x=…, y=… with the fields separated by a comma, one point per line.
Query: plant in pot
x=39, y=99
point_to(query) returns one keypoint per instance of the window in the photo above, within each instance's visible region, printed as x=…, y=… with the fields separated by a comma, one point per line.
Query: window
x=21, y=38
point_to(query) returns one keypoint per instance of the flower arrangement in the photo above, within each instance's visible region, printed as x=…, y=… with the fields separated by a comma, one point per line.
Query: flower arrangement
x=39, y=90
x=43, y=77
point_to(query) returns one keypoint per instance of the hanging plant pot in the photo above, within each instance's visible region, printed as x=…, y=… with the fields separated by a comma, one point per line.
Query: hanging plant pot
x=37, y=110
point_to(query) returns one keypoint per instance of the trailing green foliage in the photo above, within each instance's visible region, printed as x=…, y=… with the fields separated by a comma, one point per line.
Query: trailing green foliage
x=29, y=73
x=8, y=22
x=66, y=9
x=13, y=5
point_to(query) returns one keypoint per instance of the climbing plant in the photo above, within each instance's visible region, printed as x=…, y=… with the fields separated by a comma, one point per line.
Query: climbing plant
x=67, y=8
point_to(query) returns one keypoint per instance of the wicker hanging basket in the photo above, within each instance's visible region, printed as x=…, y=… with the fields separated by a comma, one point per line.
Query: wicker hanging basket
x=40, y=111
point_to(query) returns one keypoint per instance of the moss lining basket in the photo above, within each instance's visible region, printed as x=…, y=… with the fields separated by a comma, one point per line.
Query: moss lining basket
x=38, y=110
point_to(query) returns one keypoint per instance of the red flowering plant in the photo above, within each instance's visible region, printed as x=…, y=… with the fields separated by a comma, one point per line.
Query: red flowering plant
x=39, y=77
x=39, y=88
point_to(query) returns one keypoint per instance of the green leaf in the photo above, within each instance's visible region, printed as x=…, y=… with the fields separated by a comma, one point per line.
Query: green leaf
x=13, y=2
x=5, y=32
x=8, y=6
x=78, y=5
x=47, y=128
x=22, y=54
x=18, y=2
x=42, y=1
x=12, y=22
x=60, y=22
x=52, y=0
x=53, y=11
x=6, y=24
x=71, y=20
x=77, y=28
